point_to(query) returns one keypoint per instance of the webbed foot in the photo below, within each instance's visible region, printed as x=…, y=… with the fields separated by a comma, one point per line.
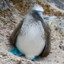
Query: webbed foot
x=35, y=58
x=15, y=51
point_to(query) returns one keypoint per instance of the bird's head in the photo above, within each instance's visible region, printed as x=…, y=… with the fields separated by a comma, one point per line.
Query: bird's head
x=37, y=12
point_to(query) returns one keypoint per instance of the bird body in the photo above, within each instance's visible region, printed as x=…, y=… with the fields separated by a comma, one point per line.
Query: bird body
x=31, y=39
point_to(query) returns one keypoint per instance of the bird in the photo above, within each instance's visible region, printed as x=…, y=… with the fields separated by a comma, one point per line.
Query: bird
x=32, y=35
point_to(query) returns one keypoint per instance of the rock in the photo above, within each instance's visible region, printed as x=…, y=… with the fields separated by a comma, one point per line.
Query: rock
x=61, y=45
x=49, y=19
x=60, y=27
x=5, y=4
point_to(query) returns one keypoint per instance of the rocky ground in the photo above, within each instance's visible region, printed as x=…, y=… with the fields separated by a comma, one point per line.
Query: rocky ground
x=7, y=26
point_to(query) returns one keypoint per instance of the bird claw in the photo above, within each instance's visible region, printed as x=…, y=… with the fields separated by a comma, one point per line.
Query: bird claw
x=15, y=51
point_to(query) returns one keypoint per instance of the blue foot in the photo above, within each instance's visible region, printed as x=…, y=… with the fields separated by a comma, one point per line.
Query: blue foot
x=15, y=51
x=35, y=58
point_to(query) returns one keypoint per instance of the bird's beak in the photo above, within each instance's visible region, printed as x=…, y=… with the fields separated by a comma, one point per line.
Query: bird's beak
x=40, y=14
x=40, y=17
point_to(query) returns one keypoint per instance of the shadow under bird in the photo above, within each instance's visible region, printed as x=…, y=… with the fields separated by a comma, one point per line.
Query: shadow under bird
x=32, y=35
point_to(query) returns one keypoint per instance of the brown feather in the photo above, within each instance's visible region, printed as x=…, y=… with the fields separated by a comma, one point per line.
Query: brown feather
x=15, y=33
x=47, y=48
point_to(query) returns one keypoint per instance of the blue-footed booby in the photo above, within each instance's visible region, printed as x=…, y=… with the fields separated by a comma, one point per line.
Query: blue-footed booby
x=32, y=36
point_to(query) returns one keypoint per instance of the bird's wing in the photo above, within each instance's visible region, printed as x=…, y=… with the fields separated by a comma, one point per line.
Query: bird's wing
x=47, y=47
x=14, y=34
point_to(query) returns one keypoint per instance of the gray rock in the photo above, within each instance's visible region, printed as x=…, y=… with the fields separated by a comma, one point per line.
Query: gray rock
x=5, y=4
x=60, y=27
